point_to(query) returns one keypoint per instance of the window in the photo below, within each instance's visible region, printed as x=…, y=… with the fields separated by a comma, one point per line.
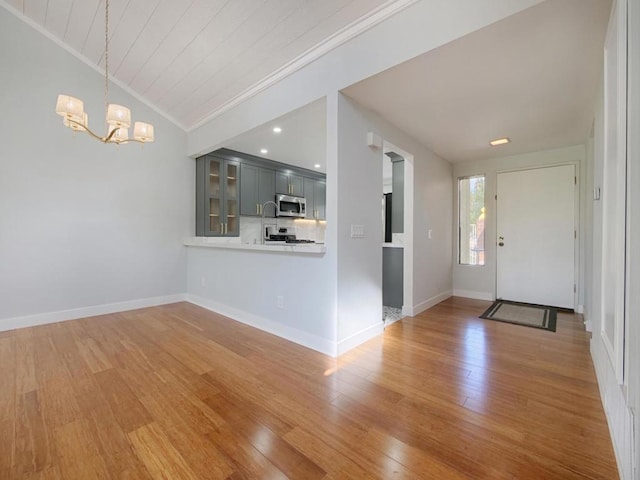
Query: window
x=471, y=218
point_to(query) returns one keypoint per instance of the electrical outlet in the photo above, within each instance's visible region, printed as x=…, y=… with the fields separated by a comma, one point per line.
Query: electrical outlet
x=203, y=281
x=280, y=301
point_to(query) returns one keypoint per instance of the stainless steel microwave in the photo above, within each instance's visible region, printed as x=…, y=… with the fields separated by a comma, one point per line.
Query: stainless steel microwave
x=291, y=206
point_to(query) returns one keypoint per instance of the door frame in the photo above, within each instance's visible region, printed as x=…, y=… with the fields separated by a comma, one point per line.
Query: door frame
x=578, y=250
x=407, y=256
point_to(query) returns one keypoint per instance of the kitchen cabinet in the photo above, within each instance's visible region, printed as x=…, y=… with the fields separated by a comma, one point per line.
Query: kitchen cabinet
x=392, y=277
x=257, y=186
x=217, y=197
x=397, y=205
x=289, y=183
x=316, y=195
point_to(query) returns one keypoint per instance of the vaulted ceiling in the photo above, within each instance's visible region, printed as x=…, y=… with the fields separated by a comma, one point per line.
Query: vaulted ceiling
x=190, y=58
x=532, y=76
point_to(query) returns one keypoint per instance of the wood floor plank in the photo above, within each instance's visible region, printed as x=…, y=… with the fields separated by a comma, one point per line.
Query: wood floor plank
x=126, y=407
x=33, y=447
x=177, y=391
x=186, y=427
x=160, y=457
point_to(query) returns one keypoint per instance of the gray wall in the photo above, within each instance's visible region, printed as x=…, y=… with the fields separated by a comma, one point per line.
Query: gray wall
x=81, y=223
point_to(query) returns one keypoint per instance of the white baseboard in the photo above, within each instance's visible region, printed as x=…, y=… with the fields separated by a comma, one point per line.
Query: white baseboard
x=619, y=418
x=580, y=309
x=292, y=334
x=83, y=312
x=360, y=337
x=476, y=295
x=427, y=304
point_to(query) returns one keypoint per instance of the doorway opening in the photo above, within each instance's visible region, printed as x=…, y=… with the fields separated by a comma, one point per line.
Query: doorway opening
x=397, y=230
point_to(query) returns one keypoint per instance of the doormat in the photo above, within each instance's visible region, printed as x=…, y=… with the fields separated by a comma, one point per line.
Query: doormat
x=536, y=316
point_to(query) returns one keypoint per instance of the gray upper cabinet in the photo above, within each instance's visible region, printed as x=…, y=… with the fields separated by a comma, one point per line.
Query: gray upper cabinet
x=397, y=205
x=320, y=197
x=257, y=186
x=217, y=201
x=316, y=195
x=289, y=183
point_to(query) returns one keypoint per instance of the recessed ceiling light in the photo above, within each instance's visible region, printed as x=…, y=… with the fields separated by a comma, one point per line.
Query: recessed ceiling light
x=277, y=129
x=264, y=151
x=317, y=165
x=499, y=141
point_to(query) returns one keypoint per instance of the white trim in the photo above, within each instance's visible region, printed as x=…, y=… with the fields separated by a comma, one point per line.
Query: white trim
x=369, y=20
x=292, y=334
x=360, y=337
x=616, y=410
x=40, y=29
x=473, y=294
x=83, y=312
x=580, y=309
x=427, y=304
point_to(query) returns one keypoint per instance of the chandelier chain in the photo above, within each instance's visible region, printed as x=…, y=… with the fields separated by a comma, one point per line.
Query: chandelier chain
x=106, y=55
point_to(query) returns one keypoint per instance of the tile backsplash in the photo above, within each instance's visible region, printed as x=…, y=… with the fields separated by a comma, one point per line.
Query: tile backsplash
x=302, y=228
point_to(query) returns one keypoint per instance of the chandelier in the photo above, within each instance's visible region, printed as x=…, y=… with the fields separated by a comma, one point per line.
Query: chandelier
x=71, y=109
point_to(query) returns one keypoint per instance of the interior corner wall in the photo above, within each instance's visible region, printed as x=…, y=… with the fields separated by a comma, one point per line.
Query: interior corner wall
x=633, y=216
x=359, y=193
x=82, y=224
x=479, y=281
x=619, y=401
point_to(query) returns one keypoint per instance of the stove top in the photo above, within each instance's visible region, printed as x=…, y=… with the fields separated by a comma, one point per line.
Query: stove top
x=294, y=240
x=287, y=238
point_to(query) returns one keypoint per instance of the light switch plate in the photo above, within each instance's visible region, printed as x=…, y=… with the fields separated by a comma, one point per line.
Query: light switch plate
x=357, y=231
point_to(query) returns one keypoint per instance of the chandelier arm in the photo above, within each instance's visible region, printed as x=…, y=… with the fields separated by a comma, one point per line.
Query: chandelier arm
x=94, y=135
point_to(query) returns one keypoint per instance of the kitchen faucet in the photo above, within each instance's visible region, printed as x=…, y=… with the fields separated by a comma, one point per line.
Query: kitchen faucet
x=264, y=234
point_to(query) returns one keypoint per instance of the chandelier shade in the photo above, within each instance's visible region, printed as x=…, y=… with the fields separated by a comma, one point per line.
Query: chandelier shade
x=70, y=107
x=118, y=117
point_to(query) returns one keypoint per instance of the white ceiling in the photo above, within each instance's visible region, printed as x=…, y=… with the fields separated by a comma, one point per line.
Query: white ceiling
x=532, y=77
x=190, y=58
x=302, y=141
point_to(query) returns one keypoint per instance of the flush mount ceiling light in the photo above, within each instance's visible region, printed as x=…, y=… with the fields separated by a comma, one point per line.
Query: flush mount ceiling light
x=277, y=129
x=118, y=117
x=264, y=151
x=499, y=141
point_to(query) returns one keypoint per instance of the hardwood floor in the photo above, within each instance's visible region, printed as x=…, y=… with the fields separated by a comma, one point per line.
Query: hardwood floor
x=177, y=392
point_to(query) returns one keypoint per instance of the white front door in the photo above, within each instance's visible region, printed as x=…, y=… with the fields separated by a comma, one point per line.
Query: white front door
x=536, y=225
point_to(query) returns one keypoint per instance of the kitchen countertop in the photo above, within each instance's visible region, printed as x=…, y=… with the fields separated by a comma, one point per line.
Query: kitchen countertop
x=215, y=242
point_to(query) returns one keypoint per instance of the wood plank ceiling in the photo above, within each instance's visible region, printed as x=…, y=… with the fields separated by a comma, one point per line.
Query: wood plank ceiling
x=190, y=57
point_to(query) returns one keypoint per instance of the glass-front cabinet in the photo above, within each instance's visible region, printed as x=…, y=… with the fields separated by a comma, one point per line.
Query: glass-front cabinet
x=217, y=185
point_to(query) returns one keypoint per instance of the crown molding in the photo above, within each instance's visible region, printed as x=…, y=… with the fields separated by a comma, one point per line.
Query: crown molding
x=40, y=29
x=352, y=30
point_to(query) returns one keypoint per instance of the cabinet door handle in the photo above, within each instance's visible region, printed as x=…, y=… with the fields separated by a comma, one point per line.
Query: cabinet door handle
x=222, y=229
x=260, y=209
x=226, y=228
